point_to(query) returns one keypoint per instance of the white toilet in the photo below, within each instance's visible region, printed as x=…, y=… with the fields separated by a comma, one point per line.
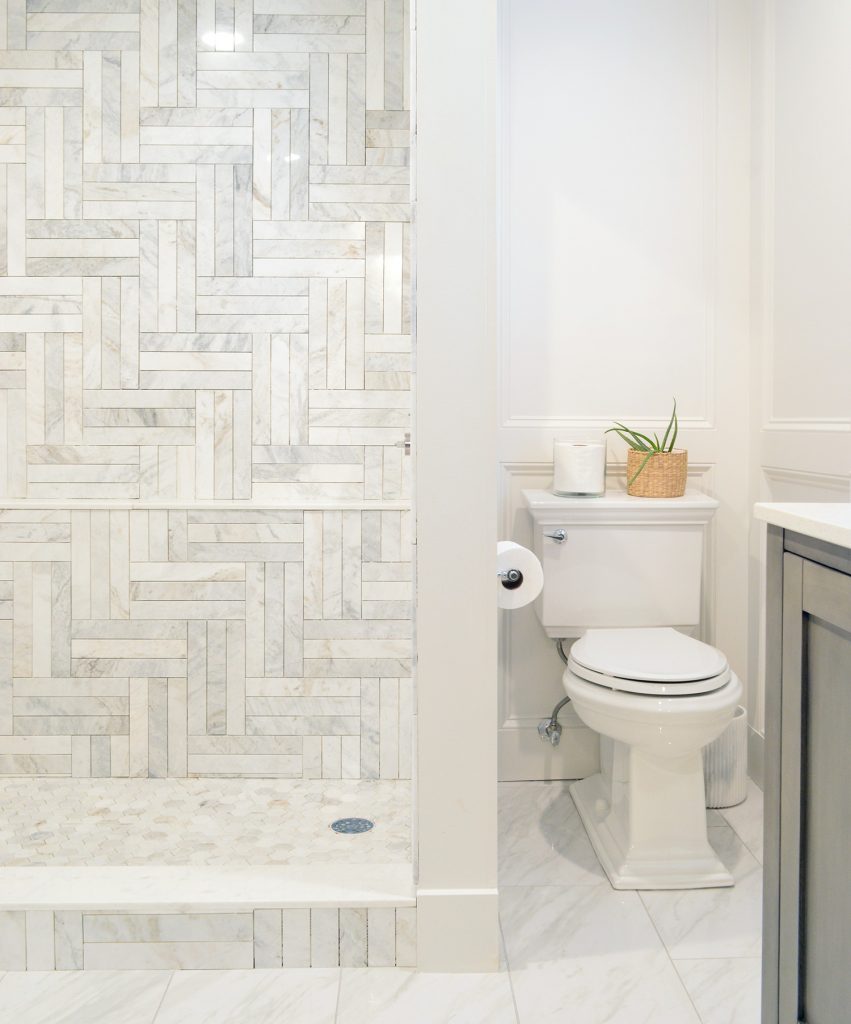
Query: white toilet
x=621, y=573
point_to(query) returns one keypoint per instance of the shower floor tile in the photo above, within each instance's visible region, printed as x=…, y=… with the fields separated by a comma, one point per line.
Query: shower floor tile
x=221, y=822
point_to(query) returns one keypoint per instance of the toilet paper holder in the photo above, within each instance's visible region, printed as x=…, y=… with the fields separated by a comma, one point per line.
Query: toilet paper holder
x=511, y=578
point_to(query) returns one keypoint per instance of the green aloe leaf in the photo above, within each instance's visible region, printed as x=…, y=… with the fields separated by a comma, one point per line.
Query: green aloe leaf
x=642, y=443
x=649, y=446
x=637, y=473
x=627, y=435
x=664, y=447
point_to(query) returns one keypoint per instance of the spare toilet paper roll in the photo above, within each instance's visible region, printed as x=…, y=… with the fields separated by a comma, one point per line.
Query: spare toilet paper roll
x=517, y=593
x=579, y=467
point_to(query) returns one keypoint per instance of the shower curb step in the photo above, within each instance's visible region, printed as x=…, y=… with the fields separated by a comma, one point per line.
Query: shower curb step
x=170, y=918
x=189, y=888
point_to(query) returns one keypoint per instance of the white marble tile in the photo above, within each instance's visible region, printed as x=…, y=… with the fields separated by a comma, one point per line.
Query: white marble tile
x=406, y=936
x=698, y=923
x=82, y=997
x=724, y=990
x=40, y=948
x=541, y=838
x=353, y=932
x=13, y=940
x=391, y=995
x=593, y=948
x=261, y=997
x=296, y=938
x=152, y=142
x=747, y=820
x=177, y=956
x=267, y=938
x=156, y=928
x=388, y=728
x=381, y=932
x=68, y=940
x=324, y=937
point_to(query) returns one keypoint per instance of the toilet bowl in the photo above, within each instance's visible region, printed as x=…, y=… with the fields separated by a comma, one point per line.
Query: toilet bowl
x=656, y=697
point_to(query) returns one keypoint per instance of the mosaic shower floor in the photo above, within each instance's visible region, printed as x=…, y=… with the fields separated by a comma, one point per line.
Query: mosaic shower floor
x=222, y=822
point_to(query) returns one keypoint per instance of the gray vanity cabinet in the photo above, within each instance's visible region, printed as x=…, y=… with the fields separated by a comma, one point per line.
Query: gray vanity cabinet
x=807, y=912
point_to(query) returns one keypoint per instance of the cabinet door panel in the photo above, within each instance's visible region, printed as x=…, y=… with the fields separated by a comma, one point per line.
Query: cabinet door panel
x=806, y=972
x=826, y=840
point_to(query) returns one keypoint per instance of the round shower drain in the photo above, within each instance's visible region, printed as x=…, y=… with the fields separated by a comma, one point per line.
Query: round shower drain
x=352, y=826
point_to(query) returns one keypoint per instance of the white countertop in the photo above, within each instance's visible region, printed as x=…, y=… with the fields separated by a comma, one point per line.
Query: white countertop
x=827, y=521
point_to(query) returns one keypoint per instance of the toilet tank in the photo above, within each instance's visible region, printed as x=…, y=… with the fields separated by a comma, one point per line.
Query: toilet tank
x=624, y=561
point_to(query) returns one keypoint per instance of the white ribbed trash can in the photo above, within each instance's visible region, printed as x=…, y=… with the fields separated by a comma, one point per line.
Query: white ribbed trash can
x=725, y=764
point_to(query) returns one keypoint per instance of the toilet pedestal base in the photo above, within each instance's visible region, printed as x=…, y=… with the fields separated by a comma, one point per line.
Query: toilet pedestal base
x=647, y=823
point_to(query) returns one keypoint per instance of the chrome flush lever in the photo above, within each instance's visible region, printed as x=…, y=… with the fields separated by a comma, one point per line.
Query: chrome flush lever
x=406, y=444
x=559, y=536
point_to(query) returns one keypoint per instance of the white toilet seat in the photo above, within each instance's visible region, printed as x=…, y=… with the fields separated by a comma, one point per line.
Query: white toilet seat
x=648, y=661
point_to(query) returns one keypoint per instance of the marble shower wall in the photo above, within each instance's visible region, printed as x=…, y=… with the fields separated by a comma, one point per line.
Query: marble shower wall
x=204, y=297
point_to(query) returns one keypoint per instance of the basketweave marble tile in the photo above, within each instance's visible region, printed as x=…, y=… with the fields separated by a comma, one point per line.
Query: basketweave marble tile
x=150, y=634
x=156, y=162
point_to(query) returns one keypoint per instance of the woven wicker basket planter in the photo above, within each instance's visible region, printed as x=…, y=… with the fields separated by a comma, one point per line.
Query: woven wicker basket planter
x=664, y=476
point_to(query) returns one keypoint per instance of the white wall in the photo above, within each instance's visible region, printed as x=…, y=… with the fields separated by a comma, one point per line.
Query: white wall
x=624, y=282
x=456, y=480
x=801, y=259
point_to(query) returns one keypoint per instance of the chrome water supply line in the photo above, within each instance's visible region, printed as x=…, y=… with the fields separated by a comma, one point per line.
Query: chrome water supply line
x=550, y=729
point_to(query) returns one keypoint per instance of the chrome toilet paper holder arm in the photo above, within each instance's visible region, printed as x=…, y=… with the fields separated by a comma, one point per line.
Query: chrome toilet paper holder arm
x=511, y=578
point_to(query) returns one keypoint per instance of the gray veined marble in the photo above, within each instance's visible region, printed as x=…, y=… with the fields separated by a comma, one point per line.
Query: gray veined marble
x=541, y=841
x=205, y=297
x=264, y=997
x=714, y=922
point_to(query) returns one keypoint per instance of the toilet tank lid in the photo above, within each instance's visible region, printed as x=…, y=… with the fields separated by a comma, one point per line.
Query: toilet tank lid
x=618, y=506
x=657, y=655
x=617, y=497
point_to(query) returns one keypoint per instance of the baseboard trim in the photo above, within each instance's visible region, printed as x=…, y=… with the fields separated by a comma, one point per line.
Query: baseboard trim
x=523, y=757
x=756, y=756
x=457, y=930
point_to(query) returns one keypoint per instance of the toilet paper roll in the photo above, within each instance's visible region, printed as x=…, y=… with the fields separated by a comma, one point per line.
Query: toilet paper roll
x=517, y=594
x=579, y=467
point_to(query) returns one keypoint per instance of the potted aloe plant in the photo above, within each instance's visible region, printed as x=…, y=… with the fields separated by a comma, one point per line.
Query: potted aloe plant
x=654, y=468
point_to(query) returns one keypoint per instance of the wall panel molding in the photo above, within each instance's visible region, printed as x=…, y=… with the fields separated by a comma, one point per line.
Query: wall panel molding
x=550, y=422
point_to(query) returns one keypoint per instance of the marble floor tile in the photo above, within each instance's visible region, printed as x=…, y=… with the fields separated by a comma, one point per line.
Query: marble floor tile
x=259, y=997
x=81, y=997
x=725, y=991
x=541, y=838
x=700, y=923
x=589, y=955
x=746, y=820
x=224, y=822
x=393, y=995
